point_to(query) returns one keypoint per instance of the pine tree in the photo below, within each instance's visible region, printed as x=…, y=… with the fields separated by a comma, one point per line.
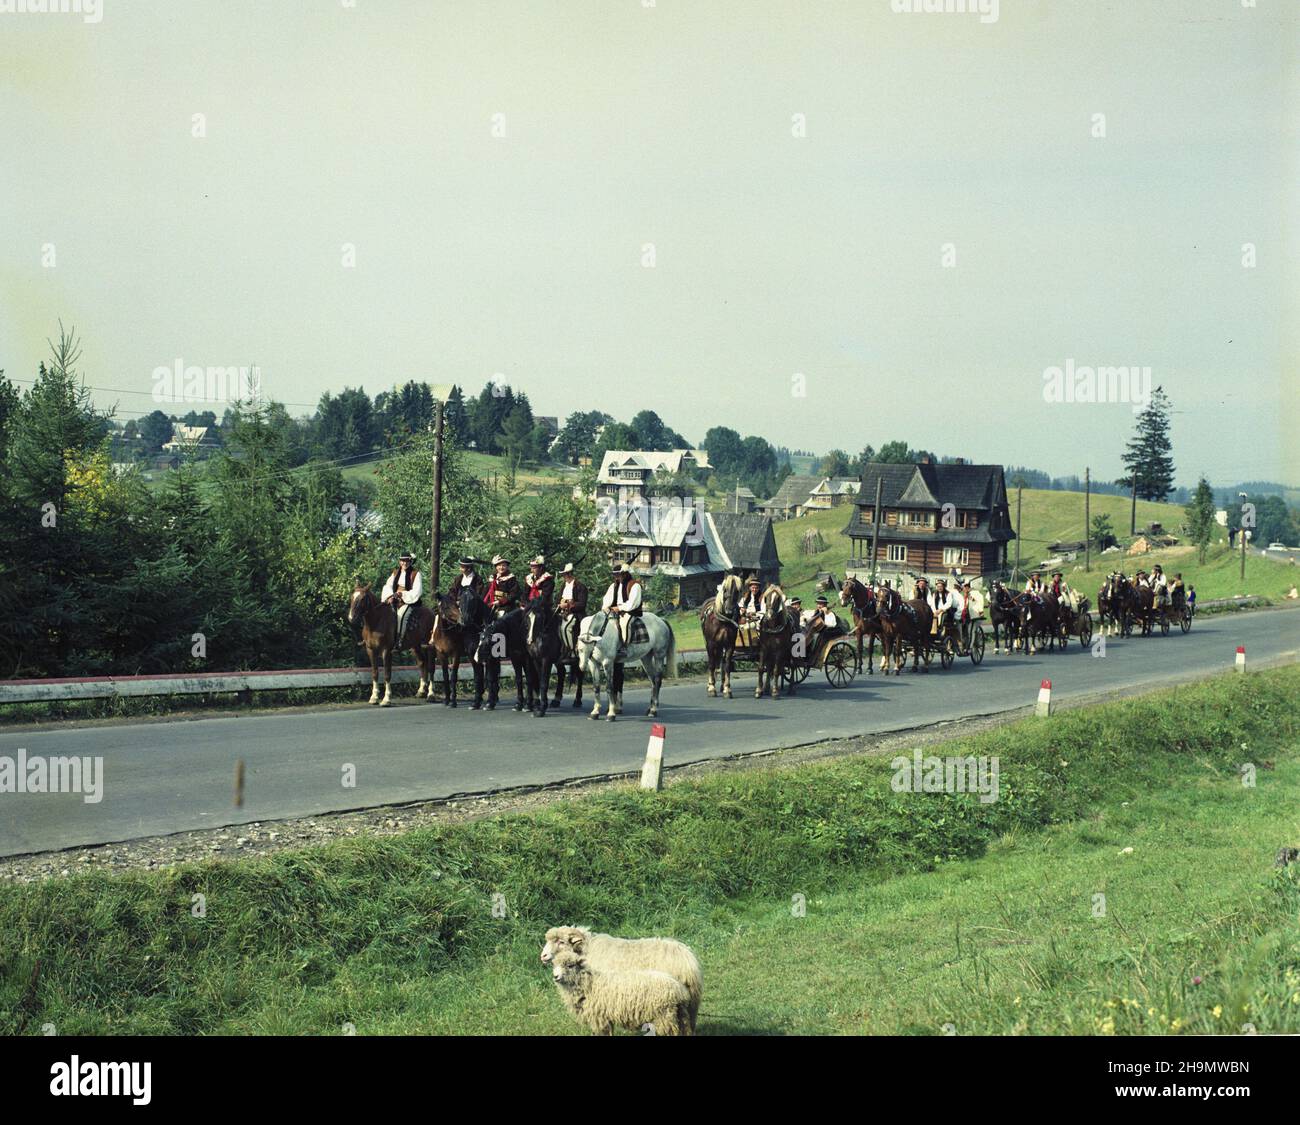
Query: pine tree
x=1149, y=457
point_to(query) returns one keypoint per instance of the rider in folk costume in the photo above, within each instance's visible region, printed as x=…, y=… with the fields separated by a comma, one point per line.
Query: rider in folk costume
x=961, y=608
x=820, y=623
x=921, y=589
x=403, y=590
x=573, y=594
x=468, y=589
x=1035, y=586
x=623, y=599
x=539, y=583
x=798, y=614
x=502, y=594
x=1160, y=584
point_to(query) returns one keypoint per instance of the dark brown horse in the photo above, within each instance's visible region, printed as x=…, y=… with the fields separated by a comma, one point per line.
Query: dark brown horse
x=1004, y=616
x=775, y=643
x=374, y=625
x=720, y=625
x=449, y=644
x=903, y=625
x=866, y=616
x=1039, y=622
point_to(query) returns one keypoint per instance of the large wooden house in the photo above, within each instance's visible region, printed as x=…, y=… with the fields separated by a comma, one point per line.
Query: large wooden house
x=935, y=519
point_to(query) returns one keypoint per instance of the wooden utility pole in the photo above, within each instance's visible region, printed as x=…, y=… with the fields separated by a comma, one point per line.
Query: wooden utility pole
x=1133, y=510
x=875, y=528
x=1087, y=519
x=1015, y=574
x=1241, y=525
x=435, y=547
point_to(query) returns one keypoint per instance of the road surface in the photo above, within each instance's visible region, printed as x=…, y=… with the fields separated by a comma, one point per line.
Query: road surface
x=163, y=777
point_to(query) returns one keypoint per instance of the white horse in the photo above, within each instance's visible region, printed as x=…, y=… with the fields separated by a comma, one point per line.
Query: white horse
x=598, y=642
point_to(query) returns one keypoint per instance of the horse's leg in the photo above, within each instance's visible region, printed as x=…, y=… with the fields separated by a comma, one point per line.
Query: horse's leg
x=576, y=675
x=559, y=680
x=521, y=681
x=374, y=676
x=711, y=650
x=762, y=660
x=597, y=675
x=425, y=689
x=616, y=688
x=387, y=701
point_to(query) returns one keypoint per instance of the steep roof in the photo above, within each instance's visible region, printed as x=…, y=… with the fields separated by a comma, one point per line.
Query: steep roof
x=651, y=525
x=929, y=487
x=653, y=460
x=795, y=489
x=746, y=540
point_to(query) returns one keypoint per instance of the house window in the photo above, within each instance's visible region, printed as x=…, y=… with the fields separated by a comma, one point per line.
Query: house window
x=898, y=552
x=959, y=519
x=956, y=556
x=916, y=519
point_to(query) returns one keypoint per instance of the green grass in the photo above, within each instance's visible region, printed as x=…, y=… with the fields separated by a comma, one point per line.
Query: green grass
x=921, y=909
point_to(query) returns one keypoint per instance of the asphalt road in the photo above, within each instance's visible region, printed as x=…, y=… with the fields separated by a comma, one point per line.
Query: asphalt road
x=162, y=777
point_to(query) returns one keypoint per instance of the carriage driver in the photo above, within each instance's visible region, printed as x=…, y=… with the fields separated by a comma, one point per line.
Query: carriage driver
x=750, y=610
x=403, y=590
x=623, y=599
x=940, y=603
x=819, y=624
x=1160, y=584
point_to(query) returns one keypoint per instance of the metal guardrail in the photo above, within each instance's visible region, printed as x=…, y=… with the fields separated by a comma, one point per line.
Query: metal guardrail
x=213, y=683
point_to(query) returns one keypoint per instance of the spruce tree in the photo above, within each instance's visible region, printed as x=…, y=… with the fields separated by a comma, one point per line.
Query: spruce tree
x=1149, y=457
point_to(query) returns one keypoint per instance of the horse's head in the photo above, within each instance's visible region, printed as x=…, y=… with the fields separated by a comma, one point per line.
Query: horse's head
x=360, y=603
x=773, y=602
x=449, y=609
x=729, y=594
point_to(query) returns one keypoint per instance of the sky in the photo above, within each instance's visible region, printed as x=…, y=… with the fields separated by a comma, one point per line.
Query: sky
x=830, y=224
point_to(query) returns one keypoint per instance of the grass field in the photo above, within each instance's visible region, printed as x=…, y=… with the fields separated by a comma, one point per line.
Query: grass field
x=920, y=910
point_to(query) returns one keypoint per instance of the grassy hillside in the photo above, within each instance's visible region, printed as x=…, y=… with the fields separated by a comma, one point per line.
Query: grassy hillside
x=920, y=909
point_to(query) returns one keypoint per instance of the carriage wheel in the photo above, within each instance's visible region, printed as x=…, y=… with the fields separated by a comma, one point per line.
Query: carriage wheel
x=800, y=671
x=1164, y=625
x=977, y=646
x=1085, y=630
x=1185, y=623
x=948, y=653
x=839, y=663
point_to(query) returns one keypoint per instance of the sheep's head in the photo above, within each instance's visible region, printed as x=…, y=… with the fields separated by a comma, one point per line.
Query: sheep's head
x=562, y=938
x=568, y=968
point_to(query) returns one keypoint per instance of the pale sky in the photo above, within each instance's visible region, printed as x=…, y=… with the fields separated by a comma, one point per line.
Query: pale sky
x=673, y=125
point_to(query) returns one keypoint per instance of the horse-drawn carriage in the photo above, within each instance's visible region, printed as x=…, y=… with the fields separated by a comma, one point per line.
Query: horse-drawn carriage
x=834, y=654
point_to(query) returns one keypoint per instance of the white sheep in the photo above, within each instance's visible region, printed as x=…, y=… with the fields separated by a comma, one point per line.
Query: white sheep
x=604, y=951
x=607, y=998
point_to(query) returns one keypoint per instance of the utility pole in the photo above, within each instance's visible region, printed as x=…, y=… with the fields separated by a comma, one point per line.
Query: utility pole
x=1087, y=519
x=1241, y=523
x=875, y=528
x=1015, y=574
x=1133, y=510
x=435, y=547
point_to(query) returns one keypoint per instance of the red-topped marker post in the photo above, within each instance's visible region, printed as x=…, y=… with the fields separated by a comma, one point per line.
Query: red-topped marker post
x=1044, y=705
x=652, y=771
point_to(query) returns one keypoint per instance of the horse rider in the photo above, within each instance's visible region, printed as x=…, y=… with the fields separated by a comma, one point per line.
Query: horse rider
x=622, y=600
x=403, y=590
x=539, y=583
x=573, y=603
x=750, y=610
x=502, y=594
x=467, y=589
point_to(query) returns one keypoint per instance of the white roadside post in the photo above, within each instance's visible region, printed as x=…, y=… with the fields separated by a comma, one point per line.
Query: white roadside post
x=652, y=771
x=1043, y=707
x=1241, y=658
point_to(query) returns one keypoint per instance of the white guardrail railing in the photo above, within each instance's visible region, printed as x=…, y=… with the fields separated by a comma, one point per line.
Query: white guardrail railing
x=229, y=683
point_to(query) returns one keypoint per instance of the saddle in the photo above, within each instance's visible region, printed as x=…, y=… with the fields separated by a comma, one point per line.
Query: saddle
x=637, y=632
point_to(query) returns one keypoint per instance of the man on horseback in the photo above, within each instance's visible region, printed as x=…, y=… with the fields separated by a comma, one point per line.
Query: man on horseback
x=573, y=595
x=502, y=594
x=539, y=583
x=622, y=600
x=403, y=590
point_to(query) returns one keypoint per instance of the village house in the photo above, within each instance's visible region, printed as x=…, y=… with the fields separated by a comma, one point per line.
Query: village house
x=692, y=547
x=625, y=474
x=935, y=520
x=831, y=492
x=791, y=499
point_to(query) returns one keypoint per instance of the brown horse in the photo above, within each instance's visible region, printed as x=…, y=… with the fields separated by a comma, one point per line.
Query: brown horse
x=775, y=643
x=449, y=644
x=374, y=624
x=866, y=616
x=720, y=626
x=902, y=624
x=1039, y=622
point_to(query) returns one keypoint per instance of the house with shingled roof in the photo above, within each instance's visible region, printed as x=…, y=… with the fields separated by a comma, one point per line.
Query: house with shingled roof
x=934, y=520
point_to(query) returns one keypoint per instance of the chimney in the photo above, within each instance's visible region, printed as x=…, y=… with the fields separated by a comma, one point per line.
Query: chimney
x=925, y=460
x=959, y=460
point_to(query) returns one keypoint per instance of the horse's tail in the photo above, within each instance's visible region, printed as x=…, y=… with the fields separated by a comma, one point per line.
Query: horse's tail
x=671, y=656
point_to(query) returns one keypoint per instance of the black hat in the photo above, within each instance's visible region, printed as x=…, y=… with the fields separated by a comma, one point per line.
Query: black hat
x=821, y=599
x=406, y=556
x=469, y=560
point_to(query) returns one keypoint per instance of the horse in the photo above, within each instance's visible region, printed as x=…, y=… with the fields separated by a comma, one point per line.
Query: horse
x=903, y=623
x=1039, y=622
x=775, y=643
x=866, y=617
x=1004, y=615
x=569, y=628
x=502, y=637
x=374, y=626
x=720, y=625
x=1143, y=606
x=1108, y=607
x=451, y=642
x=598, y=649
x=542, y=644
